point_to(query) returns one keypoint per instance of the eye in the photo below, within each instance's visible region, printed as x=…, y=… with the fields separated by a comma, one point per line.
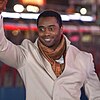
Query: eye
x=51, y=28
x=41, y=29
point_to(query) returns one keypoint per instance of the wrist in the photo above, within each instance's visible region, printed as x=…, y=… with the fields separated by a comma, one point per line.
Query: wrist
x=0, y=15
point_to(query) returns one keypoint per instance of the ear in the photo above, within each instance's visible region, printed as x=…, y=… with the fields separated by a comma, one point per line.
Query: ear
x=61, y=30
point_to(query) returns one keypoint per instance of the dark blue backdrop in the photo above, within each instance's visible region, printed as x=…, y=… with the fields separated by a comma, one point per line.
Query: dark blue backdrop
x=18, y=93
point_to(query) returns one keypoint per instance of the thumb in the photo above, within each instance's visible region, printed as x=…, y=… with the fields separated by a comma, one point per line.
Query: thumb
x=5, y=3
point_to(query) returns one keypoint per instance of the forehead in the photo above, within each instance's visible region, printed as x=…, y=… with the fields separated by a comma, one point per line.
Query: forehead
x=44, y=21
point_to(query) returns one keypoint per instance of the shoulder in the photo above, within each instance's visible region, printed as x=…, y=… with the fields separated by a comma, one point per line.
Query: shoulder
x=84, y=59
x=25, y=42
x=81, y=54
x=85, y=56
x=29, y=45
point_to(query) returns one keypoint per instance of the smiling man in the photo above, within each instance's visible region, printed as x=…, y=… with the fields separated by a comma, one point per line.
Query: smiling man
x=50, y=32
x=51, y=68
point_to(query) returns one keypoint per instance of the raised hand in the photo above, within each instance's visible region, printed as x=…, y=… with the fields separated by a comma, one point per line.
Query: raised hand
x=3, y=5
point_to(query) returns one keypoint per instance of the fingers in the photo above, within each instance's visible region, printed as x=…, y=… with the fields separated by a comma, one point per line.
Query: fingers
x=3, y=5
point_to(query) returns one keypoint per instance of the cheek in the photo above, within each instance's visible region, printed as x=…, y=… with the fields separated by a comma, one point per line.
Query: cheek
x=58, y=34
x=40, y=34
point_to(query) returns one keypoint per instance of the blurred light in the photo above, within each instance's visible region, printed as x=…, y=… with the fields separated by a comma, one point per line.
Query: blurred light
x=18, y=8
x=83, y=11
x=15, y=32
x=70, y=10
x=10, y=15
x=35, y=16
x=65, y=17
x=12, y=26
x=74, y=38
x=86, y=38
x=34, y=2
x=31, y=8
x=86, y=18
x=75, y=16
x=29, y=16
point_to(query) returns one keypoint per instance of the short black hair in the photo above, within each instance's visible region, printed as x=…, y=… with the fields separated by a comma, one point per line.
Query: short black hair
x=50, y=13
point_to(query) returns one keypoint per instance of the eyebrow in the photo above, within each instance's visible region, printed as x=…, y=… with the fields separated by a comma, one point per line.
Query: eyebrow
x=47, y=26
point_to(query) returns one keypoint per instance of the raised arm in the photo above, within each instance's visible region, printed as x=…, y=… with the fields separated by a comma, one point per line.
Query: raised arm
x=10, y=53
x=3, y=5
x=2, y=8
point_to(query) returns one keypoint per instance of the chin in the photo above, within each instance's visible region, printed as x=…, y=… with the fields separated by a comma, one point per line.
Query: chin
x=48, y=45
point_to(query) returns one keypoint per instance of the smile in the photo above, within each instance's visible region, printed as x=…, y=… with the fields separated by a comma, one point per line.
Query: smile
x=47, y=40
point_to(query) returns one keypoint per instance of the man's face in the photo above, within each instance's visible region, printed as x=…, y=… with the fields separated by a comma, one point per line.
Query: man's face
x=49, y=31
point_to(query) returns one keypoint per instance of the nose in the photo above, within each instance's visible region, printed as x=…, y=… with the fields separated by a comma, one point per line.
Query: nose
x=47, y=32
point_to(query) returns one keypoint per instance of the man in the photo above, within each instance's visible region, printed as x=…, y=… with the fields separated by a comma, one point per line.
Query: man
x=51, y=68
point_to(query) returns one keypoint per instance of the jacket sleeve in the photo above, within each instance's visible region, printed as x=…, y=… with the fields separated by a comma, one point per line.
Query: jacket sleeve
x=10, y=53
x=92, y=83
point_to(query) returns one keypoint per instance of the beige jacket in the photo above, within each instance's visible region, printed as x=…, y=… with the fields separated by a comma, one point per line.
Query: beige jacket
x=39, y=78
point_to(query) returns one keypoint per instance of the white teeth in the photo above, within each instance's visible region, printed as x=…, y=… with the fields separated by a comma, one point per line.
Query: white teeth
x=47, y=39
